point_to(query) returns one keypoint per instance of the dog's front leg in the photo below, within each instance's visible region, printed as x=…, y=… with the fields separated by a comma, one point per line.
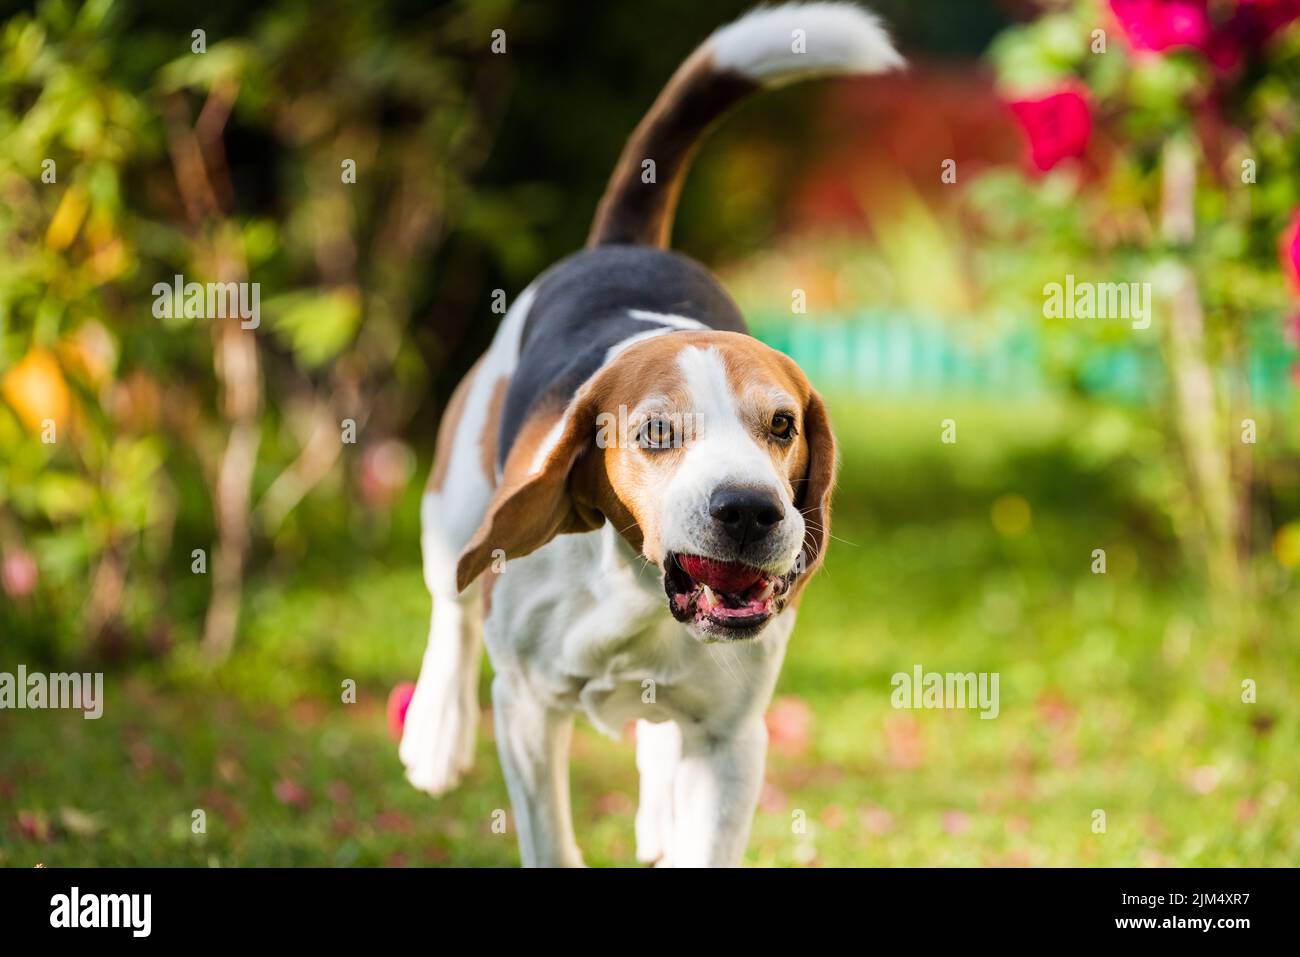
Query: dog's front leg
x=716, y=791
x=533, y=741
x=658, y=749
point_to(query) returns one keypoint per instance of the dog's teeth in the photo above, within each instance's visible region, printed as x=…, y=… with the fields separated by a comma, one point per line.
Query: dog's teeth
x=710, y=599
x=768, y=591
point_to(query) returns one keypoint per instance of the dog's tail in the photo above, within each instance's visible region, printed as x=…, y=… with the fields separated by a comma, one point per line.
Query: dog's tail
x=768, y=47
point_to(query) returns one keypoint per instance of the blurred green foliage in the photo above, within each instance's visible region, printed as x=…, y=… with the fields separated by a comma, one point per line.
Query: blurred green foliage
x=133, y=149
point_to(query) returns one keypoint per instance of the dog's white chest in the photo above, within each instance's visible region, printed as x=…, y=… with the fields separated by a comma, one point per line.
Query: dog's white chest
x=664, y=674
x=588, y=624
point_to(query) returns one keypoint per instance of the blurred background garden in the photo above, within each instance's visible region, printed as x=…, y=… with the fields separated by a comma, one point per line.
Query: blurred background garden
x=179, y=510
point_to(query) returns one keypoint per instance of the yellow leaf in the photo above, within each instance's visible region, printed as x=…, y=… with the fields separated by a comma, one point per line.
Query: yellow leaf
x=1286, y=545
x=36, y=390
x=67, y=219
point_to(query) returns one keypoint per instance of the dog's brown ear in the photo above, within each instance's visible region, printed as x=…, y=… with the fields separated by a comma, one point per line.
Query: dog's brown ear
x=814, y=498
x=534, y=505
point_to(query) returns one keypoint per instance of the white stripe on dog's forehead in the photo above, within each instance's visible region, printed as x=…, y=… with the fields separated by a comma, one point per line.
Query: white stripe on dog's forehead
x=706, y=377
x=711, y=395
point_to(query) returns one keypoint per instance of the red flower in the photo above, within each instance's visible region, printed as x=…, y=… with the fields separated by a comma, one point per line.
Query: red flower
x=1163, y=24
x=1058, y=126
x=399, y=700
x=1289, y=250
x=290, y=792
x=1252, y=24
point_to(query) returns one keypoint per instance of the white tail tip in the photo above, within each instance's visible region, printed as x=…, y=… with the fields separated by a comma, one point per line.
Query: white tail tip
x=775, y=45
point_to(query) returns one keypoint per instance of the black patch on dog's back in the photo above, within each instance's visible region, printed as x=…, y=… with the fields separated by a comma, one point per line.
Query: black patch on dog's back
x=581, y=311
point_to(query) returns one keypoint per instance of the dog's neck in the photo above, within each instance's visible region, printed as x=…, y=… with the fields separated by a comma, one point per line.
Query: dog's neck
x=620, y=558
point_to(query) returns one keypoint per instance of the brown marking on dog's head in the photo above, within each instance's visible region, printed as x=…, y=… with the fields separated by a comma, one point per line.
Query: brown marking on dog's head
x=573, y=468
x=810, y=463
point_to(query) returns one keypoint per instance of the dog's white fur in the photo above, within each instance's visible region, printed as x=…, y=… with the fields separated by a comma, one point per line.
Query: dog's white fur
x=580, y=624
x=724, y=454
x=837, y=38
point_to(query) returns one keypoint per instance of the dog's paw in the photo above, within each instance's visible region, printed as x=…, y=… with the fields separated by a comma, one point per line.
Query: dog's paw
x=652, y=828
x=437, y=746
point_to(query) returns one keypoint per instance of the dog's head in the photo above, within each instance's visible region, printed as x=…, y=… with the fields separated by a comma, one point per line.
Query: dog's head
x=711, y=455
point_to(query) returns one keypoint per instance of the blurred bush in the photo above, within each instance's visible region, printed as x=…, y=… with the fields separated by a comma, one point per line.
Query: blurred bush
x=1162, y=147
x=134, y=149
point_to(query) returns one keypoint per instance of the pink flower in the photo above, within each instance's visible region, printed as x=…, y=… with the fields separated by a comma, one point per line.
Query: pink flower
x=1289, y=250
x=18, y=572
x=956, y=822
x=1058, y=126
x=789, y=725
x=1162, y=24
x=385, y=469
x=34, y=826
x=399, y=700
x=290, y=792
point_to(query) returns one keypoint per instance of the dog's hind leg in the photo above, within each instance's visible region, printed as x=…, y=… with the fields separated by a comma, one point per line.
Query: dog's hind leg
x=438, y=738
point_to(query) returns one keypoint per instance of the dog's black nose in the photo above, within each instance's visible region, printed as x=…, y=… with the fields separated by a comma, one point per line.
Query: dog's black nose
x=745, y=514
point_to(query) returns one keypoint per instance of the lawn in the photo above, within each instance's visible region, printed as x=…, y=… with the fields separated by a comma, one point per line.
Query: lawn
x=1117, y=693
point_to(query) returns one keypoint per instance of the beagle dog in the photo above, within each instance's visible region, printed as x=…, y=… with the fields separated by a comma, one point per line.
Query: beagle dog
x=630, y=494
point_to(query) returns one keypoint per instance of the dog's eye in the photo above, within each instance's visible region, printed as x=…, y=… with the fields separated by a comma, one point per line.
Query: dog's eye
x=656, y=433
x=783, y=426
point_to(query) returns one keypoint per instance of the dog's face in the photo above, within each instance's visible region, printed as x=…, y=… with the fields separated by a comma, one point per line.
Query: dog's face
x=711, y=455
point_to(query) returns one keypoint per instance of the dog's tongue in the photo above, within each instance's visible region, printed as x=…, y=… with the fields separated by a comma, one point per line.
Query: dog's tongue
x=729, y=577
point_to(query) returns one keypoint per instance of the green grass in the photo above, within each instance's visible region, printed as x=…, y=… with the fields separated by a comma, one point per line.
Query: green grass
x=1118, y=694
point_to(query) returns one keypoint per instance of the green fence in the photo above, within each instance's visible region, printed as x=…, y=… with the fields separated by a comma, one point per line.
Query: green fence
x=897, y=356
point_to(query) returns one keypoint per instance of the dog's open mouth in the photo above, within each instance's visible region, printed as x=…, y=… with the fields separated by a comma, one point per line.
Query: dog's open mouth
x=726, y=597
